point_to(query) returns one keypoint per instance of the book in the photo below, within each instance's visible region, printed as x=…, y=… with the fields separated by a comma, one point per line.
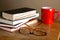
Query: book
x=11, y=29
x=2, y=20
x=17, y=14
x=13, y=26
x=17, y=28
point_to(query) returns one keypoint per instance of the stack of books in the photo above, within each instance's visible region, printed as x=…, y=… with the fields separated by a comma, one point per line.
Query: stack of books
x=12, y=20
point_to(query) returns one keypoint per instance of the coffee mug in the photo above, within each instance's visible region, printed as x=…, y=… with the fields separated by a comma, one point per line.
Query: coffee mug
x=47, y=15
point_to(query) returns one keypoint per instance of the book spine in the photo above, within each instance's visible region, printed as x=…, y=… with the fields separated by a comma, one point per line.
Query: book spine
x=7, y=16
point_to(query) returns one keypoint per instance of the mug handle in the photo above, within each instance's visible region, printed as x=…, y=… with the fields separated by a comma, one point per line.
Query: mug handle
x=58, y=14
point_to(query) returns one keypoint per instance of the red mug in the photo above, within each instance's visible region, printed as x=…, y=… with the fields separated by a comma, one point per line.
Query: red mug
x=47, y=15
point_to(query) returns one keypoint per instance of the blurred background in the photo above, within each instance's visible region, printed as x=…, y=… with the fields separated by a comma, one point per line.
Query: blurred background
x=37, y=4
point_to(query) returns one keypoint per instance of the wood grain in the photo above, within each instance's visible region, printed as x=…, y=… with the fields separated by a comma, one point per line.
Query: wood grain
x=52, y=33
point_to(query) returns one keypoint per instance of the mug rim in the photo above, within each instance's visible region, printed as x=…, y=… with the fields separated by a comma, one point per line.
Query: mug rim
x=46, y=7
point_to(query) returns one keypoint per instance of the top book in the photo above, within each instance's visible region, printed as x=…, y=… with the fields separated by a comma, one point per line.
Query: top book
x=19, y=13
x=19, y=10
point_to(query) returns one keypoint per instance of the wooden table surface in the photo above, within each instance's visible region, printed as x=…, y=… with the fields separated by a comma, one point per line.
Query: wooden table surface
x=52, y=33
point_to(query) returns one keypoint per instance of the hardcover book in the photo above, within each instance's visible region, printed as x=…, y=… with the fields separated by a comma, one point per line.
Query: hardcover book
x=17, y=28
x=17, y=14
x=11, y=29
x=17, y=21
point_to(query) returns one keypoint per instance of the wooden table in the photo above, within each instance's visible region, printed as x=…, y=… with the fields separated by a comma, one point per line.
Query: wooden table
x=52, y=34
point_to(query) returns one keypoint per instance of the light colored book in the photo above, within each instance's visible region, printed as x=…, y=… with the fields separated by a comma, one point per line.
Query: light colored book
x=19, y=27
x=11, y=30
x=14, y=26
x=22, y=22
x=17, y=14
x=17, y=21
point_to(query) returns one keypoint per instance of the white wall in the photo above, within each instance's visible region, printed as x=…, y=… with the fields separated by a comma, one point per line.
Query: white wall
x=11, y=4
x=37, y=4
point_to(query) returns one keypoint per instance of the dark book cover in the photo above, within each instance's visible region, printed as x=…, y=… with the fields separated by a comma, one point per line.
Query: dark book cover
x=19, y=10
